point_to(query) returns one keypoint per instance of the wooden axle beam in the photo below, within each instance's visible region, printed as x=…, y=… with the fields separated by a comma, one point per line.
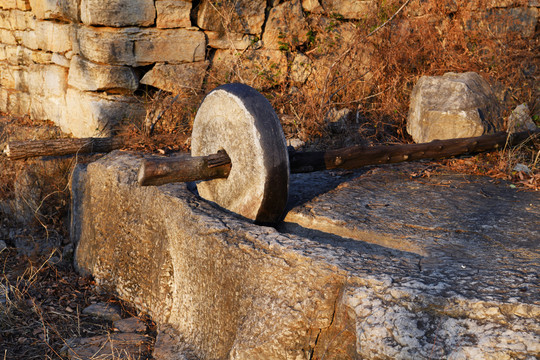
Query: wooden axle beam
x=159, y=171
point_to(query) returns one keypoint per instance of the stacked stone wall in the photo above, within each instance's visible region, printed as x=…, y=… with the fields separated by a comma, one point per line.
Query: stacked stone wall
x=80, y=63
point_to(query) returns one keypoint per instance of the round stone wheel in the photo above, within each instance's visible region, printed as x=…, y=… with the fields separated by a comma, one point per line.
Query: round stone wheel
x=238, y=119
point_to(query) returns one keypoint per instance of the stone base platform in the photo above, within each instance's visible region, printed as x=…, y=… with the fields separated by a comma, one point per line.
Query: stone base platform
x=374, y=264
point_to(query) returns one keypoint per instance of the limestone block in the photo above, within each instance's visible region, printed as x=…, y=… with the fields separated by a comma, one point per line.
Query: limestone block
x=16, y=20
x=257, y=68
x=60, y=60
x=118, y=13
x=344, y=277
x=27, y=38
x=53, y=36
x=17, y=55
x=23, y=5
x=240, y=16
x=219, y=40
x=173, y=13
x=312, y=6
x=479, y=285
x=7, y=37
x=47, y=80
x=41, y=57
x=8, y=4
x=452, y=106
x=66, y=10
x=97, y=114
x=351, y=9
x=20, y=55
x=89, y=76
x=286, y=27
x=257, y=298
x=14, y=77
x=133, y=46
x=177, y=78
x=105, y=45
x=52, y=108
x=172, y=46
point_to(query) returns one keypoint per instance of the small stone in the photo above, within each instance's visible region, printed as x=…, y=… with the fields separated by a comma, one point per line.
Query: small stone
x=522, y=168
x=3, y=245
x=312, y=6
x=295, y=143
x=301, y=68
x=337, y=119
x=103, y=310
x=130, y=325
x=520, y=120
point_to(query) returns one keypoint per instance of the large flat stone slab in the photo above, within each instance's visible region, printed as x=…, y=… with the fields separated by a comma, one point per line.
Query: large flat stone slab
x=367, y=265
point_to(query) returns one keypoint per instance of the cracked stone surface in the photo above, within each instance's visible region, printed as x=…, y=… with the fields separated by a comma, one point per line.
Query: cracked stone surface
x=370, y=264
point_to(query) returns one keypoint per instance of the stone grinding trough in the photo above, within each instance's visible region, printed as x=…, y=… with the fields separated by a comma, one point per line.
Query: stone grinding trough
x=363, y=264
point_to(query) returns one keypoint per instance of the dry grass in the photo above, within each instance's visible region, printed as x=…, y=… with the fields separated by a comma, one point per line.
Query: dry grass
x=41, y=304
x=370, y=66
x=371, y=73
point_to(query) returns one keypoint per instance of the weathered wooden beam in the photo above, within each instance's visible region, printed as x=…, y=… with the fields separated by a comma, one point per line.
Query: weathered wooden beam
x=173, y=169
x=358, y=156
x=162, y=170
x=27, y=149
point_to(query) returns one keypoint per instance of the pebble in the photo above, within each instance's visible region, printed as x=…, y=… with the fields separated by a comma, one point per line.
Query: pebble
x=103, y=310
x=132, y=324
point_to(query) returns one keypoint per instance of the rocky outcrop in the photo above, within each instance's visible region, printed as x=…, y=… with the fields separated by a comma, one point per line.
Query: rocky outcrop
x=103, y=48
x=377, y=265
x=452, y=106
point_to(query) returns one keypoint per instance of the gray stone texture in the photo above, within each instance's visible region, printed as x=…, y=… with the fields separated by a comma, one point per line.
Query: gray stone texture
x=452, y=106
x=238, y=119
x=173, y=13
x=139, y=33
x=118, y=13
x=520, y=120
x=88, y=76
x=65, y=10
x=177, y=78
x=134, y=46
x=373, y=264
x=286, y=27
x=98, y=113
x=351, y=9
x=239, y=16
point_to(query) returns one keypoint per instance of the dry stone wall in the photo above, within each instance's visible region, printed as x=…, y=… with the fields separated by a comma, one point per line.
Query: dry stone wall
x=80, y=63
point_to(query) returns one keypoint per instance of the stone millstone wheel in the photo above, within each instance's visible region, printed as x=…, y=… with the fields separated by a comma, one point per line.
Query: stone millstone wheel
x=238, y=119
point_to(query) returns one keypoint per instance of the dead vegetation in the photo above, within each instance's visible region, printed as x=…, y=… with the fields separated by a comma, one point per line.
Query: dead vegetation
x=367, y=68
x=362, y=73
